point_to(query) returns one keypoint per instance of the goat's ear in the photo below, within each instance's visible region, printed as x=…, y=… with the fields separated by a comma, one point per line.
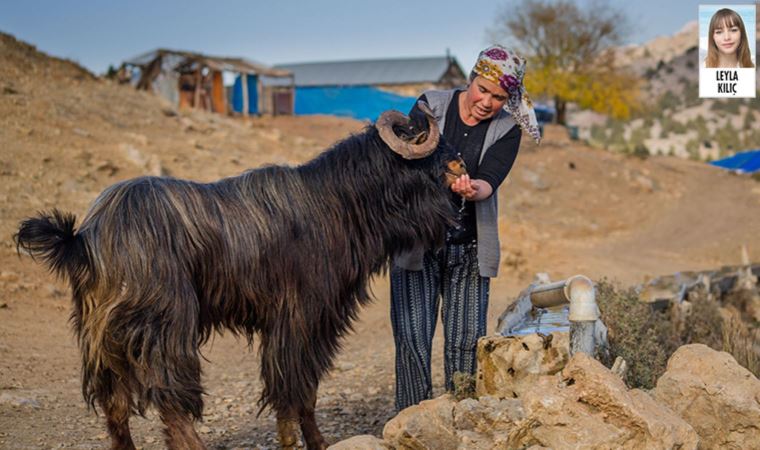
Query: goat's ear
x=420, y=116
x=424, y=107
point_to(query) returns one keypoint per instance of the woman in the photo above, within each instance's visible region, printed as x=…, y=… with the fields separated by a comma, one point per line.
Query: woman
x=484, y=123
x=728, y=46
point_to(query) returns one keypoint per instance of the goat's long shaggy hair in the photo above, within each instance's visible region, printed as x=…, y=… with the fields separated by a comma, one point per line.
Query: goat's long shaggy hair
x=282, y=252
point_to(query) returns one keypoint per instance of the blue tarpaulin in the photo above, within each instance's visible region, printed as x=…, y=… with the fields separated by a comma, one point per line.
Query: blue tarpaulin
x=359, y=102
x=747, y=162
x=253, y=95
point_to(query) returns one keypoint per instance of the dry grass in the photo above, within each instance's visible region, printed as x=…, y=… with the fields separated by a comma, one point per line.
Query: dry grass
x=464, y=385
x=742, y=342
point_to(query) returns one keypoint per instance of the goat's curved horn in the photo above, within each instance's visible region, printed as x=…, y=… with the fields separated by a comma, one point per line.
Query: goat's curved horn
x=408, y=150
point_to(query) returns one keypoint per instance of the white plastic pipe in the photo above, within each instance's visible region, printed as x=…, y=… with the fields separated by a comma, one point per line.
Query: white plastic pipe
x=579, y=292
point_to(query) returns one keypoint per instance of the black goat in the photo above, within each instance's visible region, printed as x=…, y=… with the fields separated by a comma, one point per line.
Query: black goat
x=286, y=253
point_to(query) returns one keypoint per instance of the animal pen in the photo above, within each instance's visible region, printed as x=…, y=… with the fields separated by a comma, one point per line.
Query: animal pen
x=195, y=80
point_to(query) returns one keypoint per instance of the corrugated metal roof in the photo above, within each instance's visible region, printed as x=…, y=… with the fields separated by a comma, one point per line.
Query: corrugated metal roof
x=370, y=72
x=241, y=65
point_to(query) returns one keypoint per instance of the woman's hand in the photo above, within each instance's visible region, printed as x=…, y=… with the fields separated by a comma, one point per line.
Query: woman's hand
x=472, y=190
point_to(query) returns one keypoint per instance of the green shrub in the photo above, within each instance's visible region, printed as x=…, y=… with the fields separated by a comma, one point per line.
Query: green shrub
x=640, y=151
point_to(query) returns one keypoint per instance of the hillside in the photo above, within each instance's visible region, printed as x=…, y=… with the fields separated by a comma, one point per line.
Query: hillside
x=673, y=120
x=648, y=55
x=566, y=208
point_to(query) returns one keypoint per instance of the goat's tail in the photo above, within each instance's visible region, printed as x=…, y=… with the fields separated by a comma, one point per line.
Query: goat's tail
x=53, y=238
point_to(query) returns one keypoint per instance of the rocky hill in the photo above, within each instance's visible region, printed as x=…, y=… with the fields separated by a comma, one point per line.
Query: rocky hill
x=660, y=50
x=673, y=120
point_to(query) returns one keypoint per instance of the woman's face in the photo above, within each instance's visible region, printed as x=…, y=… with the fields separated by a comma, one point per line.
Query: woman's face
x=727, y=38
x=484, y=98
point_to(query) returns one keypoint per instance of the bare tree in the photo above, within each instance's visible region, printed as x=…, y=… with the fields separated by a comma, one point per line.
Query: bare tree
x=570, y=49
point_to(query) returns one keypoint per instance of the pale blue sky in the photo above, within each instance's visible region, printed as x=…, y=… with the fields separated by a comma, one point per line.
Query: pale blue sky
x=97, y=33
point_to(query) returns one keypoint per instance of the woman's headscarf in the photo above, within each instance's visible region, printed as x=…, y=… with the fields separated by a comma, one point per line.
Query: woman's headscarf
x=507, y=69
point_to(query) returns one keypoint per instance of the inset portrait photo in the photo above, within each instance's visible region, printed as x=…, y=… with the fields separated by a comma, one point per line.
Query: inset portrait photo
x=727, y=41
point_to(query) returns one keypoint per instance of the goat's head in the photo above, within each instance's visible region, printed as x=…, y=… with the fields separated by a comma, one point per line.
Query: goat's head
x=417, y=138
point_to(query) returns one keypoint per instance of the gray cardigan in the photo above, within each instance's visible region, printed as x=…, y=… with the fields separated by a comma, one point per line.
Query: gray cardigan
x=486, y=211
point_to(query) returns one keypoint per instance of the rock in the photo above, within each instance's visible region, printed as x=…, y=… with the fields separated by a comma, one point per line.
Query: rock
x=15, y=400
x=203, y=429
x=424, y=426
x=81, y=132
x=508, y=365
x=535, y=180
x=646, y=183
x=151, y=165
x=8, y=276
x=487, y=413
x=587, y=406
x=486, y=423
x=141, y=139
x=719, y=398
x=363, y=442
x=346, y=366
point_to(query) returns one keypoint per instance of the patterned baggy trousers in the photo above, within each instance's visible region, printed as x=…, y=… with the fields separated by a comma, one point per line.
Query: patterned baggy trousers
x=450, y=274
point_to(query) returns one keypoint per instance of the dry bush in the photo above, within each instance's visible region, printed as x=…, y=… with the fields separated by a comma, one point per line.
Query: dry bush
x=638, y=334
x=646, y=338
x=704, y=323
x=742, y=342
x=742, y=300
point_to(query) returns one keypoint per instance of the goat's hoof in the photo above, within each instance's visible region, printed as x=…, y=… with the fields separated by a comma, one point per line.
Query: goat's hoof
x=288, y=433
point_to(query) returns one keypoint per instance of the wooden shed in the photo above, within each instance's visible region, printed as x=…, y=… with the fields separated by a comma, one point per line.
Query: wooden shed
x=194, y=80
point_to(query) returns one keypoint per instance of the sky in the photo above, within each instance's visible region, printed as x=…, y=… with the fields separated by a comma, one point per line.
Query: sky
x=96, y=33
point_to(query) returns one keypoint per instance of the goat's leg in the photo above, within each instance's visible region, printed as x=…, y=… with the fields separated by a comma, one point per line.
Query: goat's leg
x=174, y=375
x=311, y=434
x=180, y=433
x=292, y=363
x=116, y=407
x=181, y=403
x=288, y=432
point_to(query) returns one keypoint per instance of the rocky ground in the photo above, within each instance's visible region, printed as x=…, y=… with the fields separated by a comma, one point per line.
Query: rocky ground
x=65, y=136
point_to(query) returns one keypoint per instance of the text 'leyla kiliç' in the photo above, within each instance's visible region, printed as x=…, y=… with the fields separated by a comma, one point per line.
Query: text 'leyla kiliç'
x=724, y=76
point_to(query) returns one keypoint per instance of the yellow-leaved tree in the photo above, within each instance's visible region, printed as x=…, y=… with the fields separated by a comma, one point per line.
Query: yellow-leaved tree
x=571, y=54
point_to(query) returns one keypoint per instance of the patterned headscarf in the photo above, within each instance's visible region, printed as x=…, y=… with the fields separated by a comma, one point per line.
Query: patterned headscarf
x=507, y=69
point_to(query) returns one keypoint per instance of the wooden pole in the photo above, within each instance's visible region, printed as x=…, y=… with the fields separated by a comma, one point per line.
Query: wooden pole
x=197, y=97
